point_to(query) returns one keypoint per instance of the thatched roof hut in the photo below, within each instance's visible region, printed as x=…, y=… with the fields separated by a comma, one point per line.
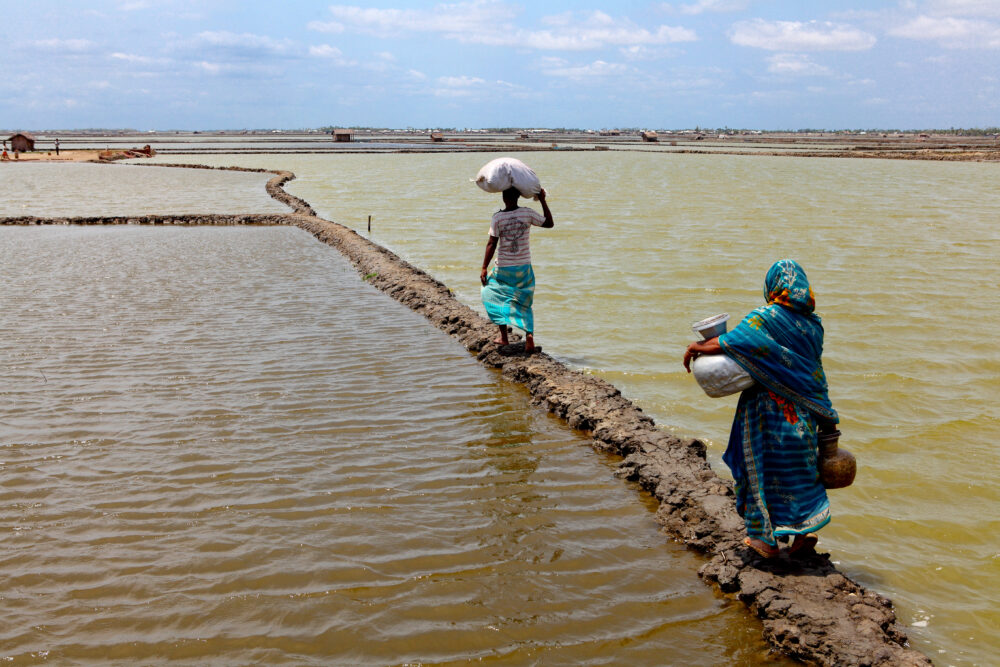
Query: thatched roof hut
x=650, y=135
x=437, y=136
x=22, y=141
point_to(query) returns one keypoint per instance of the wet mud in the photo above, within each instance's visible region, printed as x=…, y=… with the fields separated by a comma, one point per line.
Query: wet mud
x=809, y=610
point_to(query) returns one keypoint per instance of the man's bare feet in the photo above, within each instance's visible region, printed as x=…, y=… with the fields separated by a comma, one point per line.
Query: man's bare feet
x=502, y=340
x=529, y=342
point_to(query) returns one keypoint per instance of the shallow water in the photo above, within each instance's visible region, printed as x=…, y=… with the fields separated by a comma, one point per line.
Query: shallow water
x=902, y=256
x=220, y=446
x=85, y=189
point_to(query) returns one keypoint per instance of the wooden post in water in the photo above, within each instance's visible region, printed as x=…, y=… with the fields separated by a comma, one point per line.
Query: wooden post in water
x=369, y=224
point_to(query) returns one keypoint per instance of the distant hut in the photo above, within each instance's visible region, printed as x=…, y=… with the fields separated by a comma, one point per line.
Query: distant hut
x=650, y=135
x=610, y=133
x=437, y=136
x=21, y=142
x=523, y=135
x=343, y=135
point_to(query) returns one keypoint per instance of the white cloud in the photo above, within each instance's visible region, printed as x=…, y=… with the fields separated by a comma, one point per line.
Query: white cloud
x=65, y=46
x=714, y=6
x=595, y=70
x=459, y=86
x=950, y=32
x=460, y=81
x=326, y=26
x=246, y=43
x=641, y=52
x=210, y=68
x=490, y=23
x=794, y=64
x=325, y=51
x=798, y=36
x=134, y=58
x=974, y=8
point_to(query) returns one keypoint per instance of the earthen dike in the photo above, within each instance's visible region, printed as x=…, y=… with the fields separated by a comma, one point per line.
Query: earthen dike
x=809, y=610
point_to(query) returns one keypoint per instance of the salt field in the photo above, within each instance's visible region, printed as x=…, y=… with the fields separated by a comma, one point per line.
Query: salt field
x=646, y=243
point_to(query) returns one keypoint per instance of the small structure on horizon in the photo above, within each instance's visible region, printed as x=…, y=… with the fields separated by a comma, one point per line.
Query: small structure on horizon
x=21, y=142
x=650, y=135
x=437, y=136
x=610, y=133
x=343, y=135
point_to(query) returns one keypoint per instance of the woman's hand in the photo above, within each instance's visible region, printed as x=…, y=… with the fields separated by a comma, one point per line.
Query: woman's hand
x=700, y=347
x=482, y=277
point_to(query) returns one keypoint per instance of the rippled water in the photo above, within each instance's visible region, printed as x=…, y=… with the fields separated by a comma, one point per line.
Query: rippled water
x=219, y=446
x=84, y=189
x=902, y=256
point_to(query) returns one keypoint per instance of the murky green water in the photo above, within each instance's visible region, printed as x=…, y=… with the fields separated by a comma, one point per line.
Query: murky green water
x=903, y=258
x=219, y=446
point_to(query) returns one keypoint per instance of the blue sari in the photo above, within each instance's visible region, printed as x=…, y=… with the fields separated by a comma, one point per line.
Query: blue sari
x=773, y=443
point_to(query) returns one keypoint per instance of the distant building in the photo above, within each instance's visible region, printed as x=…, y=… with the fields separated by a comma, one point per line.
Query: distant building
x=437, y=136
x=21, y=142
x=650, y=135
x=343, y=135
x=610, y=133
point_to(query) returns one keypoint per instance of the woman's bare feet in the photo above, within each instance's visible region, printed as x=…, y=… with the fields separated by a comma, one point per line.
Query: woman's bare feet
x=804, y=544
x=529, y=342
x=762, y=548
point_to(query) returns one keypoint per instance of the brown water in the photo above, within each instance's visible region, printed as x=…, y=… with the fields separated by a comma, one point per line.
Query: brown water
x=218, y=446
x=903, y=258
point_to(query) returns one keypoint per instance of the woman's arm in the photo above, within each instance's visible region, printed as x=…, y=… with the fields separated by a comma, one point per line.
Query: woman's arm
x=700, y=347
x=491, y=247
x=549, y=222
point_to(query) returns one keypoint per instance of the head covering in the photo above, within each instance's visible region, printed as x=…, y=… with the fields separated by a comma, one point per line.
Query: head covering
x=786, y=284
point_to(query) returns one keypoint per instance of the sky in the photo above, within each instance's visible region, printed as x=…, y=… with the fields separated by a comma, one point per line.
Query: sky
x=592, y=64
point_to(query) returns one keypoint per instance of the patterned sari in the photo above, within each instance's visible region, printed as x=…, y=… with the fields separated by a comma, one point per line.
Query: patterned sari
x=508, y=295
x=773, y=443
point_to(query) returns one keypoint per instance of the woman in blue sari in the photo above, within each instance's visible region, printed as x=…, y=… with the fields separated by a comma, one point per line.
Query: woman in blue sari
x=773, y=443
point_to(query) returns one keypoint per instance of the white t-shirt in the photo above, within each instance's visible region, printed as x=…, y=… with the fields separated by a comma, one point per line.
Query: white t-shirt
x=512, y=228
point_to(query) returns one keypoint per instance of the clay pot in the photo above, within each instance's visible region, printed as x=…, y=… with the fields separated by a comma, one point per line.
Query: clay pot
x=837, y=466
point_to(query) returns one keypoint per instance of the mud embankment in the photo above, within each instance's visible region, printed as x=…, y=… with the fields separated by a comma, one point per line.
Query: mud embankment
x=809, y=610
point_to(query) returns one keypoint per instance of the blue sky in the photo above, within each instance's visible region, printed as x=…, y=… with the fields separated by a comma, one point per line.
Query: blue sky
x=767, y=64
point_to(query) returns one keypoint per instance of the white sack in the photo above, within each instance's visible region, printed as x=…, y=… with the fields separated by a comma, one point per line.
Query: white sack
x=508, y=172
